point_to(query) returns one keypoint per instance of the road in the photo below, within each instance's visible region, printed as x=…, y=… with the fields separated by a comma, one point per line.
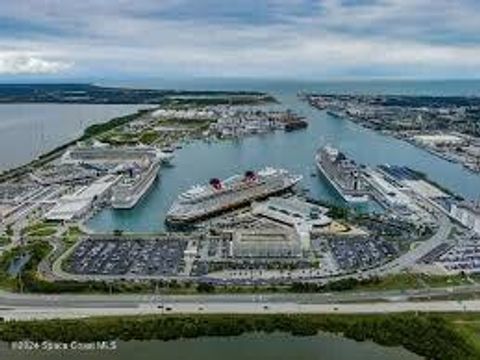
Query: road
x=8, y=299
x=413, y=256
x=30, y=313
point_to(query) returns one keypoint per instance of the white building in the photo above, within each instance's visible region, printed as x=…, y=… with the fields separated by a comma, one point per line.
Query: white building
x=76, y=205
x=302, y=216
x=265, y=244
x=467, y=214
x=189, y=114
x=440, y=140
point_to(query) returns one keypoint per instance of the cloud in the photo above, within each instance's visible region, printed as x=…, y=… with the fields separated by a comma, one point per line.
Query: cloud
x=283, y=38
x=25, y=63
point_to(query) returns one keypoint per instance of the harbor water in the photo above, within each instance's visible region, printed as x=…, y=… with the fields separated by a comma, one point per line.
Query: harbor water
x=250, y=347
x=197, y=162
x=29, y=130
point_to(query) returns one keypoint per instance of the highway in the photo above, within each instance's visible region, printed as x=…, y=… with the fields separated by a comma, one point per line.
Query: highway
x=87, y=300
x=30, y=313
x=97, y=304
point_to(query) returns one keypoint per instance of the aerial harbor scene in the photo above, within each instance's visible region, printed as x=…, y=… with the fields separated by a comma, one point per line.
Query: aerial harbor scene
x=231, y=190
x=227, y=196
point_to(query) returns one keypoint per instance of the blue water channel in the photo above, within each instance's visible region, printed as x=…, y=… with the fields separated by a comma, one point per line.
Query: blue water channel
x=199, y=161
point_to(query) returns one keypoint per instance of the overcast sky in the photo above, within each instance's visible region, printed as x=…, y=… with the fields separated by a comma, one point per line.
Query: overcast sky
x=307, y=39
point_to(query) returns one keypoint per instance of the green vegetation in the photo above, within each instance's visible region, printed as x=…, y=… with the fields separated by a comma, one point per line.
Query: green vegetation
x=225, y=99
x=402, y=281
x=43, y=232
x=335, y=212
x=40, y=229
x=338, y=213
x=72, y=235
x=185, y=123
x=413, y=281
x=98, y=129
x=9, y=230
x=5, y=280
x=433, y=337
x=175, y=130
x=92, y=94
x=468, y=325
x=4, y=240
x=149, y=137
x=28, y=276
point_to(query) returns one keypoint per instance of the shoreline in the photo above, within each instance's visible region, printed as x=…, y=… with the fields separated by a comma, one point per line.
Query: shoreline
x=168, y=97
x=431, y=336
x=57, y=152
x=395, y=134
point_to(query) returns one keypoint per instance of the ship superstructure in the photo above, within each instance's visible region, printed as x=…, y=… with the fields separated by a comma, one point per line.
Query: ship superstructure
x=100, y=153
x=202, y=201
x=343, y=174
x=136, y=181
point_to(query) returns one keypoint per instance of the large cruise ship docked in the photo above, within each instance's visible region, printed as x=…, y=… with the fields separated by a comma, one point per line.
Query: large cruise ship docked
x=133, y=186
x=202, y=201
x=100, y=153
x=342, y=173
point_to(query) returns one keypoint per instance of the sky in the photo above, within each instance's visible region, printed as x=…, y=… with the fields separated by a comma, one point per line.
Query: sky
x=284, y=39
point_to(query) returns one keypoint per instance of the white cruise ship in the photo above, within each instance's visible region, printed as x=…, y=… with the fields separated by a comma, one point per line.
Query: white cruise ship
x=99, y=153
x=202, y=201
x=134, y=185
x=342, y=173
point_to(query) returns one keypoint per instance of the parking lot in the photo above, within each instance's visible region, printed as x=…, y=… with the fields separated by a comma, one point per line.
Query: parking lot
x=128, y=257
x=463, y=257
x=358, y=253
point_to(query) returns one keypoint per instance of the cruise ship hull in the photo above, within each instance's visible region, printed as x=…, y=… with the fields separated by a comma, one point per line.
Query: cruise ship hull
x=176, y=216
x=125, y=203
x=347, y=197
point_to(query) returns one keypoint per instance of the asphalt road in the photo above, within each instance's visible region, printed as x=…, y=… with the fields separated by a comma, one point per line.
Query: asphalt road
x=123, y=300
x=242, y=308
x=411, y=257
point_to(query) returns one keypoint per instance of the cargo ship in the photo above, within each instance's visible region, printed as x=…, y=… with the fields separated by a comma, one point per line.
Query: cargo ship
x=134, y=185
x=342, y=173
x=202, y=201
x=296, y=124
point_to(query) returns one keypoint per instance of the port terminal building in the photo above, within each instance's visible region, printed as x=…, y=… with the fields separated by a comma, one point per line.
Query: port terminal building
x=78, y=204
x=467, y=214
x=266, y=244
x=301, y=216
